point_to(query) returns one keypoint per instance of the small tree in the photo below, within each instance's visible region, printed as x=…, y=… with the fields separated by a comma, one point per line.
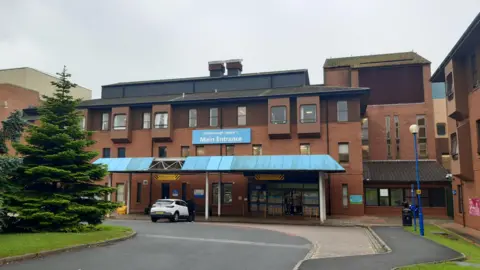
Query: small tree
x=59, y=187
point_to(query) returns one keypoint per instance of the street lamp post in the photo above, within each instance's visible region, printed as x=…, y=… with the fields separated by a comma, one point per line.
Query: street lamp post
x=414, y=131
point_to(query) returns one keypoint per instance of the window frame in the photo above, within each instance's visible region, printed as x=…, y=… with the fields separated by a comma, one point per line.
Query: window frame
x=347, y=160
x=215, y=191
x=422, y=141
x=123, y=193
x=272, y=118
x=396, y=123
x=230, y=146
x=449, y=89
x=345, y=202
x=146, y=124
x=309, y=150
x=83, y=122
x=199, y=147
x=259, y=146
x=119, y=149
x=444, y=127
x=304, y=120
x=182, y=148
x=341, y=111
x=105, y=150
x=115, y=127
x=164, y=148
x=388, y=136
x=192, y=118
x=105, y=122
x=160, y=118
x=454, y=145
x=241, y=118
x=214, y=117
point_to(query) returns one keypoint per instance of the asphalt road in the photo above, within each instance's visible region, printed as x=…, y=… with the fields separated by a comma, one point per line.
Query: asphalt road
x=182, y=246
x=407, y=249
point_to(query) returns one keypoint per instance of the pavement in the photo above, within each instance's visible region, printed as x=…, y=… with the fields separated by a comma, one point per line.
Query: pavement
x=183, y=246
x=407, y=249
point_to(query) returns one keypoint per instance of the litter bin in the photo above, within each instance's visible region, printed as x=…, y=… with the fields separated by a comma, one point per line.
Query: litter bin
x=406, y=217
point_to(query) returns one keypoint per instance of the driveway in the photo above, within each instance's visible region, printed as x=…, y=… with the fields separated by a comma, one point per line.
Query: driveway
x=182, y=246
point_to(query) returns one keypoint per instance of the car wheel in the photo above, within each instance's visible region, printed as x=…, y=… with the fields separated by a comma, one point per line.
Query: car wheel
x=154, y=219
x=175, y=217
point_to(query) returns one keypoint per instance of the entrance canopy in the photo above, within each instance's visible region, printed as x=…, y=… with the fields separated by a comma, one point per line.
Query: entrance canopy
x=324, y=163
x=202, y=164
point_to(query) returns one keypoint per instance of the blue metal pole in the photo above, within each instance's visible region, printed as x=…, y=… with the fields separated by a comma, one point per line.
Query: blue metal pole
x=413, y=208
x=420, y=212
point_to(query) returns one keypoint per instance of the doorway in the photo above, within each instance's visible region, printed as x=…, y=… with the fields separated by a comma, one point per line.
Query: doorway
x=184, y=191
x=165, y=190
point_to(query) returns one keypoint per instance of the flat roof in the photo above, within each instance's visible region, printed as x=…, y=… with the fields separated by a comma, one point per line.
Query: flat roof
x=376, y=60
x=321, y=90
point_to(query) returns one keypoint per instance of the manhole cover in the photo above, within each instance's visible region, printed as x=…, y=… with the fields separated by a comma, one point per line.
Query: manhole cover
x=446, y=235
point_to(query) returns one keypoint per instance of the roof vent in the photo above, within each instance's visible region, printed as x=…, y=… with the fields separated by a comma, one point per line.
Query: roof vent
x=234, y=67
x=216, y=68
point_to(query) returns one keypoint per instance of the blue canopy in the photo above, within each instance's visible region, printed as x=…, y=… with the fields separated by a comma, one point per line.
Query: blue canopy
x=324, y=163
x=126, y=164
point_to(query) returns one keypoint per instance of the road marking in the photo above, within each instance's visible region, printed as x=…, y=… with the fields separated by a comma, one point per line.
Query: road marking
x=227, y=241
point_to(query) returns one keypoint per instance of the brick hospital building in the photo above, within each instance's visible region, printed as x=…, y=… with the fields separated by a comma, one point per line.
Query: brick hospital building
x=360, y=118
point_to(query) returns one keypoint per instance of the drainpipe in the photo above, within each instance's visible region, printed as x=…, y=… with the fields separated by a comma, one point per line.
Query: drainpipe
x=328, y=175
x=220, y=174
x=463, y=204
x=151, y=181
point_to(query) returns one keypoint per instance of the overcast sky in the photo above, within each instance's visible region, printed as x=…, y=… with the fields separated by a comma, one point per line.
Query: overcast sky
x=108, y=41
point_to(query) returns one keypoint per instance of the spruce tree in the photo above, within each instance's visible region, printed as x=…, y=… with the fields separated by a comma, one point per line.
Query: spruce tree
x=59, y=186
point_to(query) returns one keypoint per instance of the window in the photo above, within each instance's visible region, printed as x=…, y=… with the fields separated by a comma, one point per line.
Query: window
x=121, y=152
x=460, y=198
x=230, y=149
x=304, y=149
x=242, y=116
x=147, y=119
x=139, y=192
x=342, y=111
x=105, y=120
x=345, y=195
x=384, y=200
x=343, y=153
x=449, y=89
x=200, y=151
x=371, y=196
x=213, y=117
x=365, y=152
x=120, y=194
x=162, y=151
x=161, y=120
x=446, y=161
x=192, y=118
x=473, y=68
x=83, y=122
x=185, y=151
x=120, y=122
x=388, y=137
x=257, y=150
x=396, y=122
x=396, y=197
x=226, y=193
x=454, y=146
x=365, y=131
x=422, y=136
x=478, y=136
x=441, y=129
x=278, y=115
x=106, y=152
x=308, y=113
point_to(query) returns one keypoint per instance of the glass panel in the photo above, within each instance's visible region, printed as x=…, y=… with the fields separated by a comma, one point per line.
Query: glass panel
x=396, y=195
x=227, y=193
x=257, y=150
x=437, y=197
x=105, y=120
x=310, y=197
x=343, y=152
x=120, y=122
x=345, y=195
x=342, y=111
x=441, y=129
x=230, y=150
x=200, y=151
x=185, y=151
x=121, y=152
x=192, y=118
x=161, y=120
x=213, y=117
x=422, y=133
x=278, y=115
x=146, y=120
x=308, y=113
x=242, y=116
x=384, y=200
x=215, y=193
x=120, y=193
x=371, y=196
x=275, y=196
x=162, y=151
x=305, y=149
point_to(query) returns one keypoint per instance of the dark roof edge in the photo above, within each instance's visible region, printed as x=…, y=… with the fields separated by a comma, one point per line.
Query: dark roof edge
x=455, y=48
x=360, y=91
x=209, y=78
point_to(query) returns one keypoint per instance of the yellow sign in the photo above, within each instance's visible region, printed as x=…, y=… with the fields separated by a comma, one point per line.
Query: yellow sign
x=419, y=192
x=167, y=177
x=266, y=177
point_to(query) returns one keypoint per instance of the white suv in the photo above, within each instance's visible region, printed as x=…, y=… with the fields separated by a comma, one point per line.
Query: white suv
x=171, y=209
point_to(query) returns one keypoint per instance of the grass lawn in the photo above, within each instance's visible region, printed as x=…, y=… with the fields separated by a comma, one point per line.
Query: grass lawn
x=19, y=244
x=470, y=250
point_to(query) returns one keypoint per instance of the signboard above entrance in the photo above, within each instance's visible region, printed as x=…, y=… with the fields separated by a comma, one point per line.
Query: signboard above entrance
x=221, y=136
x=167, y=177
x=266, y=177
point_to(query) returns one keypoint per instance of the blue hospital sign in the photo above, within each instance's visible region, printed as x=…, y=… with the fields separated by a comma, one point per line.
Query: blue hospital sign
x=221, y=136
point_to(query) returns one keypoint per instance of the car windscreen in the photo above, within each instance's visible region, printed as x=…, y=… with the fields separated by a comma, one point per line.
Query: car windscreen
x=163, y=202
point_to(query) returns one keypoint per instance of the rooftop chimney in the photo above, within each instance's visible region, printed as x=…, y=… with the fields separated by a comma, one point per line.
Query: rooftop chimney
x=217, y=68
x=234, y=67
